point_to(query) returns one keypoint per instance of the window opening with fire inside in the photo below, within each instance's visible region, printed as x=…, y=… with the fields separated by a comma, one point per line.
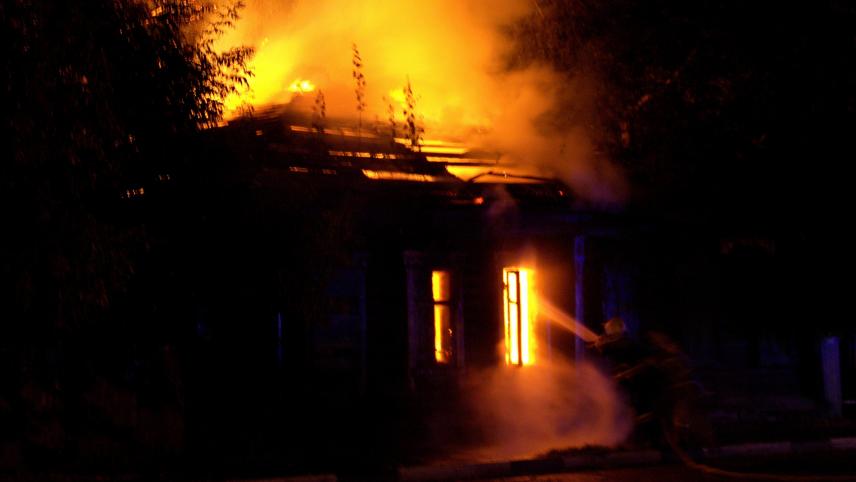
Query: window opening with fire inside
x=441, y=288
x=517, y=307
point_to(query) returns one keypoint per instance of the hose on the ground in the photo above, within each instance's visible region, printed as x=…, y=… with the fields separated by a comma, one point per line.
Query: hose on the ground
x=687, y=460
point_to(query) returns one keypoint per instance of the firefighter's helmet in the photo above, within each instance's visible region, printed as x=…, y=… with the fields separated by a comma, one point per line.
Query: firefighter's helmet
x=614, y=327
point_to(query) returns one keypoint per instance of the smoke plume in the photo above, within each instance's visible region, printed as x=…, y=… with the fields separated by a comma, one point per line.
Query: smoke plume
x=454, y=54
x=552, y=406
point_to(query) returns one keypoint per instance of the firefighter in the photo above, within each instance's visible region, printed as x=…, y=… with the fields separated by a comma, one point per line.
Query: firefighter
x=617, y=346
x=654, y=375
x=629, y=362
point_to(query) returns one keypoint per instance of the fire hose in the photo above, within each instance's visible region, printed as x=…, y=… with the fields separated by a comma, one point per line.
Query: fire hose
x=669, y=429
x=688, y=461
x=669, y=359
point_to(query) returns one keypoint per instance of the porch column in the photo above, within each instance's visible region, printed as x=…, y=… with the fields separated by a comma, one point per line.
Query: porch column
x=830, y=362
x=579, y=292
x=413, y=263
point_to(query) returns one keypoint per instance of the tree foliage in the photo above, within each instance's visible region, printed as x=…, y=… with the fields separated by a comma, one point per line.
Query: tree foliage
x=412, y=123
x=319, y=114
x=359, y=85
x=712, y=100
x=99, y=95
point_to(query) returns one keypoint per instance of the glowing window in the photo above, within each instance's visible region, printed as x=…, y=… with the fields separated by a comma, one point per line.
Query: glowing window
x=440, y=286
x=516, y=296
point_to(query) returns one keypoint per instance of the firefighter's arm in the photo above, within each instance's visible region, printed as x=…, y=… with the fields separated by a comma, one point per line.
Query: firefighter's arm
x=636, y=369
x=597, y=343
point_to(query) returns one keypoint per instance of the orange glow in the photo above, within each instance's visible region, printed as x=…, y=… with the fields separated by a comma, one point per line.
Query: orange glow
x=518, y=309
x=454, y=54
x=397, y=40
x=440, y=287
x=398, y=176
x=301, y=86
x=503, y=174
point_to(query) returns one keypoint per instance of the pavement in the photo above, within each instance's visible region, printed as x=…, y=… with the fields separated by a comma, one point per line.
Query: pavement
x=616, y=459
x=803, y=438
x=595, y=460
x=582, y=460
x=643, y=465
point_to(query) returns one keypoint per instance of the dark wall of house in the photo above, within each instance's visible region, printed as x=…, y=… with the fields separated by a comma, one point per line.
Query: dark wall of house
x=386, y=326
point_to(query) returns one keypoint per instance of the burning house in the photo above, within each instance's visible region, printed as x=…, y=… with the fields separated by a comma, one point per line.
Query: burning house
x=445, y=263
x=398, y=278
x=464, y=232
x=374, y=275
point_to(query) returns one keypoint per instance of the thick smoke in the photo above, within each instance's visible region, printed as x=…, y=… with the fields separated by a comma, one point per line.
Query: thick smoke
x=453, y=52
x=528, y=411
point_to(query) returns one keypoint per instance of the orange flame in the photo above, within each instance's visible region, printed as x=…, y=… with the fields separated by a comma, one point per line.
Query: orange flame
x=440, y=288
x=519, y=316
x=301, y=86
x=454, y=55
x=449, y=49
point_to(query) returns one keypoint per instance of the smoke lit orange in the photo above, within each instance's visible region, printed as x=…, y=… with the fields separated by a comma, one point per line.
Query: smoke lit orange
x=448, y=49
x=454, y=55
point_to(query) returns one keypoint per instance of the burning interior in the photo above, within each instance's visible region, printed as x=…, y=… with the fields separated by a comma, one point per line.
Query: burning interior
x=518, y=316
x=442, y=316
